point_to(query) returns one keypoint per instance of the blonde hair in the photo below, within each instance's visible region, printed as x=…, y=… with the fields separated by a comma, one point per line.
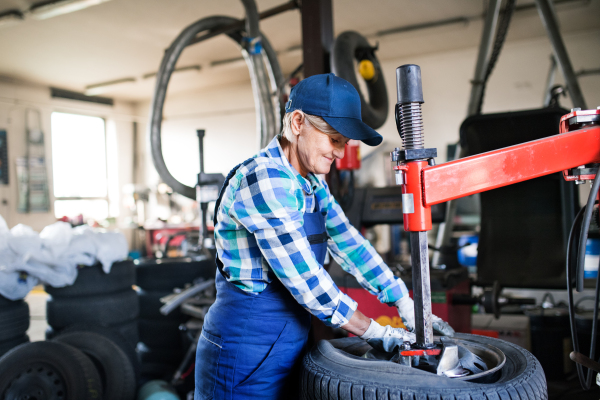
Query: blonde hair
x=317, y=122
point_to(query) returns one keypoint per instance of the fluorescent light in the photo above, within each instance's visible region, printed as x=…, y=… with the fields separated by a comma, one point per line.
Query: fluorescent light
x=99, y=88
x=11, y=17
x=59, y=7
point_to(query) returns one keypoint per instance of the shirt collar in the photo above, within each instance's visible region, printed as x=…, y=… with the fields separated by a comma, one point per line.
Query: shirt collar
x=275, y=152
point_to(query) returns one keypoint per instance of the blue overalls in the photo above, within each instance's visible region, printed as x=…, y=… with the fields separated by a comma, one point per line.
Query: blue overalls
x=251, y=344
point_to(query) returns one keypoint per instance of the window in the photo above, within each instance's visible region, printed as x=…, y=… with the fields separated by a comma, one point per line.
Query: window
x=79, y=166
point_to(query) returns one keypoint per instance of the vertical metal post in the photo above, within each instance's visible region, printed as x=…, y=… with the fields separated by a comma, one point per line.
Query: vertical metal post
x=549, y=82
x=560, y=52
x=203, y=204
x=487, y=37
x=421, y=288
x=317, y=36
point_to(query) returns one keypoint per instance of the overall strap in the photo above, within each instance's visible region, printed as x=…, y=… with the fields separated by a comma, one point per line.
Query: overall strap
x=218, y=204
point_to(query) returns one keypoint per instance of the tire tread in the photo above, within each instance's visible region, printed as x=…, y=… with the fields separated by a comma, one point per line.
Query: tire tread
x=319, y=383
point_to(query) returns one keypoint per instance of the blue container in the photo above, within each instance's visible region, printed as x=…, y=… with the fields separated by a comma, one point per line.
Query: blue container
x=157, y=390
x=467, y=251
x=592, y=258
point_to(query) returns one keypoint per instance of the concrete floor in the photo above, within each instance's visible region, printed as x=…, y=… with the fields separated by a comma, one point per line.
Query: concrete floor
x=37, y=310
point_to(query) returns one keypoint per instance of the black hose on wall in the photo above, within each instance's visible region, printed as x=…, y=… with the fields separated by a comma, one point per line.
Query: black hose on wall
x=349, y=47
x=167, y=67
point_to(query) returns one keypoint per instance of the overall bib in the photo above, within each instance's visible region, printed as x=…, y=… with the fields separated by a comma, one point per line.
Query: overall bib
x=251, y=344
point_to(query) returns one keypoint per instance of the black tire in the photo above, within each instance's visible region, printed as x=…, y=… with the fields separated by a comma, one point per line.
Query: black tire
x=116, y=371
x=108, y=332
x=345, y=49
x=104, y=310
x=54, y=366
x=10, y=344
x=166, y=274
x=92, y=281
x=14, y=320
x=159, y=333
x=6, y=302
x=150, y=305
x=127, y=330
x=332, y=373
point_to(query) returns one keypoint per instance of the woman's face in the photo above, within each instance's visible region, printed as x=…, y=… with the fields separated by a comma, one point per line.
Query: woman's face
x=318, y=150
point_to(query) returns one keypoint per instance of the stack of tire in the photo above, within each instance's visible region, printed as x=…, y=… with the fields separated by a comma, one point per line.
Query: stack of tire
x=161, y=348
x=79, y=365
x=14, y=322
x=103, y=303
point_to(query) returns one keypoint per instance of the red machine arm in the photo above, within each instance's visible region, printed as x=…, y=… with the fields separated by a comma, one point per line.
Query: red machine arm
x=510, y=165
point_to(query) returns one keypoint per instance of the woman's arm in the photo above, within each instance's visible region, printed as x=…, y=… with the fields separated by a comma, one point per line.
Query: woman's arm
x=357, y=256
x=358, y=324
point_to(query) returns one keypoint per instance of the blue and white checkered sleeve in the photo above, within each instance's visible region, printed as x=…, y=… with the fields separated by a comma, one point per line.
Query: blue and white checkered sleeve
x=357, y=256
x=267, y=204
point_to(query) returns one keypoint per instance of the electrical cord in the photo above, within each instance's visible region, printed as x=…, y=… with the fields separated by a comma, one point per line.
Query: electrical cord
x=498, y=43
x=581, y=225
x=572, y=239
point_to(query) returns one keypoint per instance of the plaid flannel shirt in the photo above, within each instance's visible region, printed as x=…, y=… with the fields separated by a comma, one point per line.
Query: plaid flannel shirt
x=260, y=237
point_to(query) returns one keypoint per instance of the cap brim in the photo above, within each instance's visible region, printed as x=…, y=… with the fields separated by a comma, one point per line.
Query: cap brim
x=353, y=128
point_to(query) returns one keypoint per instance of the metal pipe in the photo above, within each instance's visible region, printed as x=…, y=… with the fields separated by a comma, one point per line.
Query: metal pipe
x=560, y=52
x=487, y=37
x=550, y=82
x=236, y=26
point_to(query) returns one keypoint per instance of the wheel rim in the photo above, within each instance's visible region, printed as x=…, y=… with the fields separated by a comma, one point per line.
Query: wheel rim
x=493, y=357
x=38, y=381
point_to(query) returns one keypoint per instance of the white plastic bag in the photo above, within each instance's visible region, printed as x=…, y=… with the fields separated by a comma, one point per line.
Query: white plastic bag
x=53, y=255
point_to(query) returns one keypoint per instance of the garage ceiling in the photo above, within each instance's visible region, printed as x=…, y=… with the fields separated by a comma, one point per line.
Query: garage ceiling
x=126, y=38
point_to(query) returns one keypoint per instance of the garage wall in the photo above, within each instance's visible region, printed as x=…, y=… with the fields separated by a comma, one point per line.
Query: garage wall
x=15, y=98
x=518, y=82
x=227, y=114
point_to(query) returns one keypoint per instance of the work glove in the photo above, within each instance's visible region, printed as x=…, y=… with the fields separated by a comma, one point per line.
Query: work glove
x=406, y=309
x=386, y=338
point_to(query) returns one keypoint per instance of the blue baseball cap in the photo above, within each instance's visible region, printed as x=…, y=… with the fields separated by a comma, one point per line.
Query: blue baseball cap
x=337, y=102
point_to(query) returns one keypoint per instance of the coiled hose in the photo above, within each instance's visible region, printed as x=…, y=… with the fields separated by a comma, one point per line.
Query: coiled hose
x=265, y=74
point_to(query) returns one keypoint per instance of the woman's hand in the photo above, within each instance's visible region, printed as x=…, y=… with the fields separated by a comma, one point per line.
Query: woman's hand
x=406, y=309
x=358, y=324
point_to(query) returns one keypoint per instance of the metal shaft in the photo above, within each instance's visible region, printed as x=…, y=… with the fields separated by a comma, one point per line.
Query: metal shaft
x=560, y=52
x=487, y=37
x=421, y=288
x=410, y=127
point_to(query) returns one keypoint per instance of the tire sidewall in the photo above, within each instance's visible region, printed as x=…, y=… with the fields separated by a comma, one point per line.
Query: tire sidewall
x=521, y=370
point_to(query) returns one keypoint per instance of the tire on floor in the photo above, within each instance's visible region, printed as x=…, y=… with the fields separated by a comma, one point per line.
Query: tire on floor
x=114, y=366
x=52, y=366
x=331, y=372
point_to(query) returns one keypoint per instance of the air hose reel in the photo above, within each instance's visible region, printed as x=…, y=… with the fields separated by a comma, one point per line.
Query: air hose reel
x=349, y=47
